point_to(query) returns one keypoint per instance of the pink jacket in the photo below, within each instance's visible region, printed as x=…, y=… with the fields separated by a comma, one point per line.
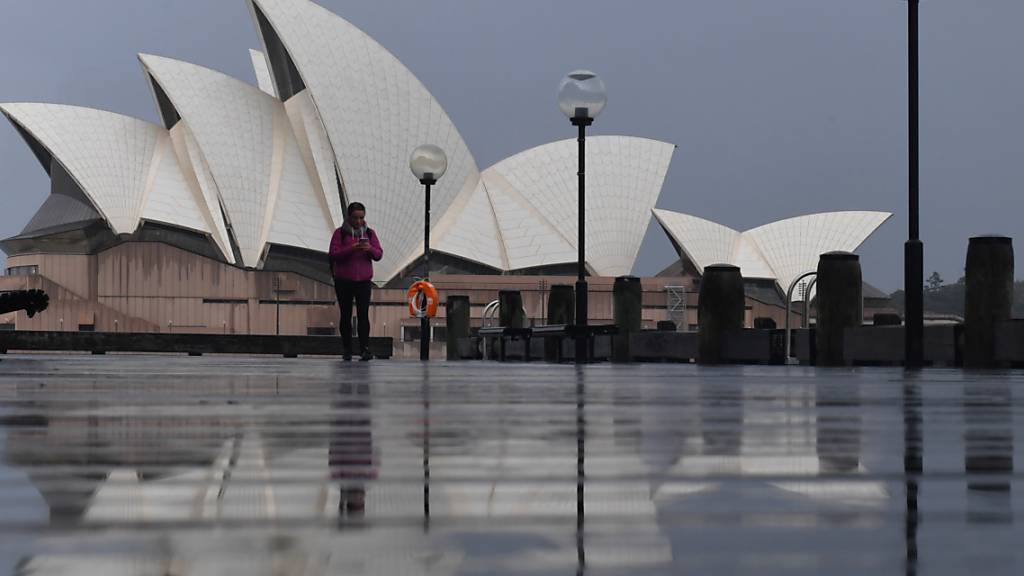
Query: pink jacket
x=347, y=263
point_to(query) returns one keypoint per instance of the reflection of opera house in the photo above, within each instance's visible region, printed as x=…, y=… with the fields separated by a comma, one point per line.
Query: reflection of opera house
x=218, y=220
x=193, y=474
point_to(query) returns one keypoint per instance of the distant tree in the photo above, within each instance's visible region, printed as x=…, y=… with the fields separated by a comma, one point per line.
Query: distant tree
x=934, y=282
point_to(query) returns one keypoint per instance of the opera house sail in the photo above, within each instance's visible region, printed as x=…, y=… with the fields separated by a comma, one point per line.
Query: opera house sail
x=225, y=207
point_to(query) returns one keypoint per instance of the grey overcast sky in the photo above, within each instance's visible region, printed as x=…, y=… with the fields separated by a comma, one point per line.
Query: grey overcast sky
x=778, y=107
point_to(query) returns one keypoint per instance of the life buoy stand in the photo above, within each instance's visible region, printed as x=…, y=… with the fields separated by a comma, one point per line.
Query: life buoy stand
x=422, y=300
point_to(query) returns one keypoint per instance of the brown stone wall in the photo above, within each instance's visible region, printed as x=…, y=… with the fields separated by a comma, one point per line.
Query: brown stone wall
x=149, y=287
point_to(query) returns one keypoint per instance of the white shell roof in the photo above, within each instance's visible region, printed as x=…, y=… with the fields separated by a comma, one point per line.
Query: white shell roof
x=168, y=197
x=316, y=150
x=197, y=172
x=704, y=242
x=125, y=166
x=240, y=158
x=375, y=112
x=532, y=199
x=261, y=68
x=780, y=251
x=792, y=246
x=253, y=156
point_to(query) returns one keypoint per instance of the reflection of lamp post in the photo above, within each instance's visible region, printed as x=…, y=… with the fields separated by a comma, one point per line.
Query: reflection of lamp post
x=913, y=250
x=581, y=96
x=428, y=163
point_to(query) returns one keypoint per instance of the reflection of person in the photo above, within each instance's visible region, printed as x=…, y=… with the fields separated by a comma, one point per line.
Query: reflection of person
x=354, y=248
x=350, y=453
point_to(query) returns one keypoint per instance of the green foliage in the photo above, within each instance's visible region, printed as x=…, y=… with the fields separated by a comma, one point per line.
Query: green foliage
x=949, y=299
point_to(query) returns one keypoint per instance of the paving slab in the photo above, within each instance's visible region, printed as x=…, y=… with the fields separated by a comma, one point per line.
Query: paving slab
x=137, y=464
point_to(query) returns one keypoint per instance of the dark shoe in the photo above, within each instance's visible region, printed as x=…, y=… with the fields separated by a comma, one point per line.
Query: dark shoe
x=366, y=356
x=347, y=356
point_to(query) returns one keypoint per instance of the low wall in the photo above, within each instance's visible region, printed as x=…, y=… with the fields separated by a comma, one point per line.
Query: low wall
x=195, y=344
x=885, y=345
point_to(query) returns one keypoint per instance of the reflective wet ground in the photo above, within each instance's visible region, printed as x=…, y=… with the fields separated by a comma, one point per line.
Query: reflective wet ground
x=228, y=465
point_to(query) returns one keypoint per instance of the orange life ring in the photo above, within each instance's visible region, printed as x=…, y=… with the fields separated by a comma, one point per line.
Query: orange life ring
x=419, y=292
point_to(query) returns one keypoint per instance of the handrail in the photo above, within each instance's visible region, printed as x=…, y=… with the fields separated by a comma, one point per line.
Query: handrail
x=807, y=303
x=489, y=312
x=789, y=307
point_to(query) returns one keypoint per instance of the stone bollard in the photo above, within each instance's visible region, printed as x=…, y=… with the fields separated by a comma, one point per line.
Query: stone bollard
x=457, y=323
x=627, y=307
x=839, y=304
x=561, y=310
x=988, y=298
x=719, y=310
x=510, y=309
x=886, y=319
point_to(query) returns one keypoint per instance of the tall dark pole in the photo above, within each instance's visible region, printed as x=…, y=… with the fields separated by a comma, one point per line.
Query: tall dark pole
x=581, y=120
x=428, y=180
x=913, y=251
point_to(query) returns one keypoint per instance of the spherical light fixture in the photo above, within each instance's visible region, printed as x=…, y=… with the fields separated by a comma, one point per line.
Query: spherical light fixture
x=581, y=94
x=428, y=163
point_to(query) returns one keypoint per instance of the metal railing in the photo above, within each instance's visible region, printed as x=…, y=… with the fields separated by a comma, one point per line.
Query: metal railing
x=789, y=307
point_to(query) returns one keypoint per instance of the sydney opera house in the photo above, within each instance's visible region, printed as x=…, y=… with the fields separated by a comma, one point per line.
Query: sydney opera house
x=218, y=219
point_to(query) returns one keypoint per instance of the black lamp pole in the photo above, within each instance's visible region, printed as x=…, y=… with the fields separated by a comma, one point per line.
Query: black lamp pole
x=428, y=180
x=913, y=250
x=581, y=120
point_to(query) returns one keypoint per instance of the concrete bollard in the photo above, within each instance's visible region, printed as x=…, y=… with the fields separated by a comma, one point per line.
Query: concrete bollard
x=457, y=323
x=886, y=319
x=561, y=310
x=719, y=310
x=988, y=298
x=627, y=302
x=510, y=309
x=840, y=304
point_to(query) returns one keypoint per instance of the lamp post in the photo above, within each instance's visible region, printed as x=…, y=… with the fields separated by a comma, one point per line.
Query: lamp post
x=428, y=163
x=913, y=250
x=582, y=97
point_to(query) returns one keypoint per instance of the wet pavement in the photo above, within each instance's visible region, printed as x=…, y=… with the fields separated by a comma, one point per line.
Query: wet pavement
x=171, y=465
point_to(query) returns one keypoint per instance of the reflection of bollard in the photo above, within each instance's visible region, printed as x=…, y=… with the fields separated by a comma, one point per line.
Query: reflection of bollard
x=988, y=298
x=561, y=310
x=456, y=323
x=719, y=310
x=510, y=309
x=839, y=304
x=627, y=299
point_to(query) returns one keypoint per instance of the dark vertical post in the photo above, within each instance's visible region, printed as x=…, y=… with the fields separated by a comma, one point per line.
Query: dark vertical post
x=627, y=300
x=720, y=310
x=424, y=321
x=457, y=323
x=988, y=298
x=840, y=299
x=581, y=121
x=561, y=310
x=913, y=250
x=277, y=300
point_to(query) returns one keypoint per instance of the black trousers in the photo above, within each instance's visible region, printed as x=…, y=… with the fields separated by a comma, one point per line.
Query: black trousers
x=360, y=291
